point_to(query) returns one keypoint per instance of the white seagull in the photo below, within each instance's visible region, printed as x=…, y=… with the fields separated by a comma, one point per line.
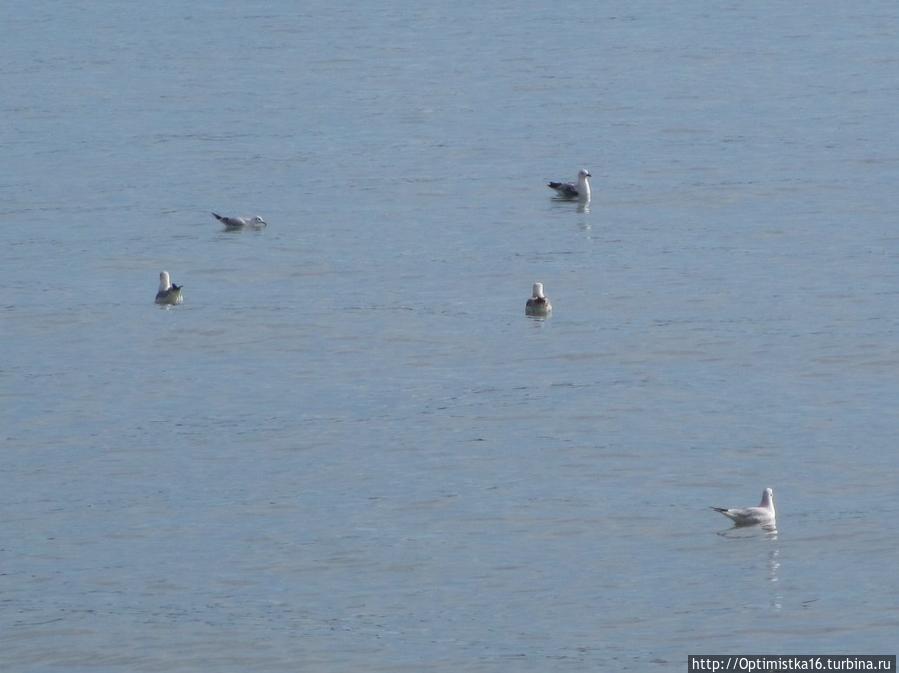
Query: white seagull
x=538, y=304
x=571, y=190
x=169, y=293
x=748, y=516
x=240, y=222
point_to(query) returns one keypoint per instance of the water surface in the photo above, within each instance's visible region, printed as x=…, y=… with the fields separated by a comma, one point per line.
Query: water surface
x=349, y=449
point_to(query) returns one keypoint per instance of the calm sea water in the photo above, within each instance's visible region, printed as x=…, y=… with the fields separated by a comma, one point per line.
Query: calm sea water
x=349, y=450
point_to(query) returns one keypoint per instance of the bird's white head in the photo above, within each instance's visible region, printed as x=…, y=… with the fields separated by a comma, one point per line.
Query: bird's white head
x=538, y=291
x=257, y=220
x=583, y=185
x=165, y=281
x=768, y=499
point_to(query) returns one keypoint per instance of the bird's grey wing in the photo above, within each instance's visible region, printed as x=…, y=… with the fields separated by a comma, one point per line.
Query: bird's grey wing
x=756, y=513
x=564, y=188
x=229, y=221
x=746, y=515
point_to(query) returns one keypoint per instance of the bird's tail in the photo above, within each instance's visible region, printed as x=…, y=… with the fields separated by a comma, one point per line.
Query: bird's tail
x=218, y=217
x=720, y=509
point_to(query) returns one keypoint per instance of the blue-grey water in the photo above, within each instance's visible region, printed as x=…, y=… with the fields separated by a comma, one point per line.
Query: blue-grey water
x=349, y=450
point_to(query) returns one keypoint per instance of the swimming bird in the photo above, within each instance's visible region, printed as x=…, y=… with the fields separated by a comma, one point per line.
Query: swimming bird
x=571, y=190
x=747, y=516
x=239, y=222
x=538, y=304
x=169, y=293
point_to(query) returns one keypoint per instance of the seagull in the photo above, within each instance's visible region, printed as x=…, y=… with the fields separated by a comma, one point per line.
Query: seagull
x=169, y=293
x=240, y=222
x=747, y=516
x=571, y=190
x=538, y=304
